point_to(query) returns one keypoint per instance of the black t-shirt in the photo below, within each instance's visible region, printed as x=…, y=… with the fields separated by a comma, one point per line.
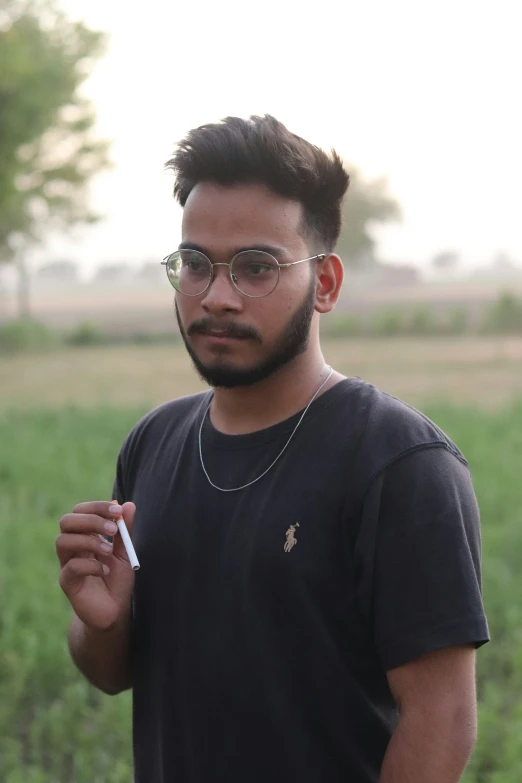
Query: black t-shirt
x=265, y=619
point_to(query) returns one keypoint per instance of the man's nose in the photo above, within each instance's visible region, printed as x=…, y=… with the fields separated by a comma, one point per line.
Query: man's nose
x=221, y=295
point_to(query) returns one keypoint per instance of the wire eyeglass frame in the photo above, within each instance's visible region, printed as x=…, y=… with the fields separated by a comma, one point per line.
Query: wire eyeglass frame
x=177, y=254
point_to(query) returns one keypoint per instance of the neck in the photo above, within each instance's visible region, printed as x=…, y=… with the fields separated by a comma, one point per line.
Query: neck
x=250, y=408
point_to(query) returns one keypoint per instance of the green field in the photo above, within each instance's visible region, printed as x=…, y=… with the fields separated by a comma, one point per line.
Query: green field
x=54, y=728
x=486, y=371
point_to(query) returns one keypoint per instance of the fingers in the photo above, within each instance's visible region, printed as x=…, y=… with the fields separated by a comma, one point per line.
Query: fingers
x=70, y=545
x=74, y=572
x=82, y=531
x=88, y=523
x=97, y=507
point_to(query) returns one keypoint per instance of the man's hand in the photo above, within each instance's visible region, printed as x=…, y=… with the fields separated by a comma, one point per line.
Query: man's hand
x=96, y=576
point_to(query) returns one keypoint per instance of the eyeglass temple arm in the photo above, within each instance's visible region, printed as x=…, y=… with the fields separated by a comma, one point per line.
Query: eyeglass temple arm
x=321, y=256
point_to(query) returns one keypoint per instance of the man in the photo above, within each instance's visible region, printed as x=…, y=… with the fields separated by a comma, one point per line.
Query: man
x=309, y=602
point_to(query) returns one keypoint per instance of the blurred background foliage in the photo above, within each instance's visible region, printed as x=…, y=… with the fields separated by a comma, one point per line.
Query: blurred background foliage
x=48, y=148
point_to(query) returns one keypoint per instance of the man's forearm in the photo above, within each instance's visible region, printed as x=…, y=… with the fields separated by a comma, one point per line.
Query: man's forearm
x=429, y=748
x=103, y=657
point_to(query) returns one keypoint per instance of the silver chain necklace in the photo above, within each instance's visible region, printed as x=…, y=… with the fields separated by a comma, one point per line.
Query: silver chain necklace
x=236, y=489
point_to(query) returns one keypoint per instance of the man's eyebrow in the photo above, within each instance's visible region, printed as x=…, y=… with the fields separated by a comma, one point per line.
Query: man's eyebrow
x=271, y=249
x=192, y=246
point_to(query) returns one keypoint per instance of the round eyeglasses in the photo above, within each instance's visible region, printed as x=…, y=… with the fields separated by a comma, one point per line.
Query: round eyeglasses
x=254, y=273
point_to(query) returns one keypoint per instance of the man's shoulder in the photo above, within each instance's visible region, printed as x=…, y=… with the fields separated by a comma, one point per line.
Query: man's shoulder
x=393, y=428
x=166, y=420
x=177, y=410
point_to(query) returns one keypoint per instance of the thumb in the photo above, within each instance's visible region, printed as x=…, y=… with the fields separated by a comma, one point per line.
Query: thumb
x=128, y=511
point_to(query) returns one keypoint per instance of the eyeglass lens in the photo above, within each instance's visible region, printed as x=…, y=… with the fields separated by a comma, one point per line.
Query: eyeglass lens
x=253, y=272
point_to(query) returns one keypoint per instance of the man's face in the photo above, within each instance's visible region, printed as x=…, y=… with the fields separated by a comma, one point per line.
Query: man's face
x=256, y=336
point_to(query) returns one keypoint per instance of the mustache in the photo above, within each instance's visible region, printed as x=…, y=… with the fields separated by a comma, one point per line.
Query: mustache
x=227, y=328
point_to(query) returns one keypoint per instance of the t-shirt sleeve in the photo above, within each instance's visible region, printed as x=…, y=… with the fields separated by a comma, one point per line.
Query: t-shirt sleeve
x=119, y=492
x=426, y=586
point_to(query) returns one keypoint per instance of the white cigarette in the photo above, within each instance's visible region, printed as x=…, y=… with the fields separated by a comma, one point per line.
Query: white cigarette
x=127, y=543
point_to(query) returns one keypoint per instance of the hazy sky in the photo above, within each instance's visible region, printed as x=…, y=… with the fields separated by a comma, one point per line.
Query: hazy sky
x=426, y=93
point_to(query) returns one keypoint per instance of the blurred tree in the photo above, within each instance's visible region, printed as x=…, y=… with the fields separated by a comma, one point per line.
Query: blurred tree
x=366, y=204
x=445, y=261
x=48, y=152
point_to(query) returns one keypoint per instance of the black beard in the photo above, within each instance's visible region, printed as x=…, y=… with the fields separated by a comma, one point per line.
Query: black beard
x=292, y=342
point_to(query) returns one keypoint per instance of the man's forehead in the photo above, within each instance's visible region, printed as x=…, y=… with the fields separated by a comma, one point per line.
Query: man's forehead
x=244, y=214
x=209, y=200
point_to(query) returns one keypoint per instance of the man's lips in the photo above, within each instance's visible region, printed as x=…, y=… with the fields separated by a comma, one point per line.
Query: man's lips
x=224, y=331
x=222, y=335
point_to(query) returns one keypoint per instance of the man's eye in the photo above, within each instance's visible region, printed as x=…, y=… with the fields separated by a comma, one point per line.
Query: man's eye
x=192, y=266
x=258, y=269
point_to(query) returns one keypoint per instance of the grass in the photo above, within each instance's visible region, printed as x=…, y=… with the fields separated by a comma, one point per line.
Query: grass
x=55, y=728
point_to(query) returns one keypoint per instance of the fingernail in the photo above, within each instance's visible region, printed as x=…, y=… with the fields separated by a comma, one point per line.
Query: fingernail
x=106, y=547
x=106, y=569
x=115, y=509
x=111, y=527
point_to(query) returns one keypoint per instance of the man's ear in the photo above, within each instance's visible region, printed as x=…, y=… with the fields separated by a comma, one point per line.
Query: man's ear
x=330, y=276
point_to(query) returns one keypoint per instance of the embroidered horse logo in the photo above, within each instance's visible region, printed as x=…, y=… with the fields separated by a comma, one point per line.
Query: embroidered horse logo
x=291, y=540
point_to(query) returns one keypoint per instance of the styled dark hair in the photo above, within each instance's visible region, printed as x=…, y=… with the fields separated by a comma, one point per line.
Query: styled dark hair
x=263, y=150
